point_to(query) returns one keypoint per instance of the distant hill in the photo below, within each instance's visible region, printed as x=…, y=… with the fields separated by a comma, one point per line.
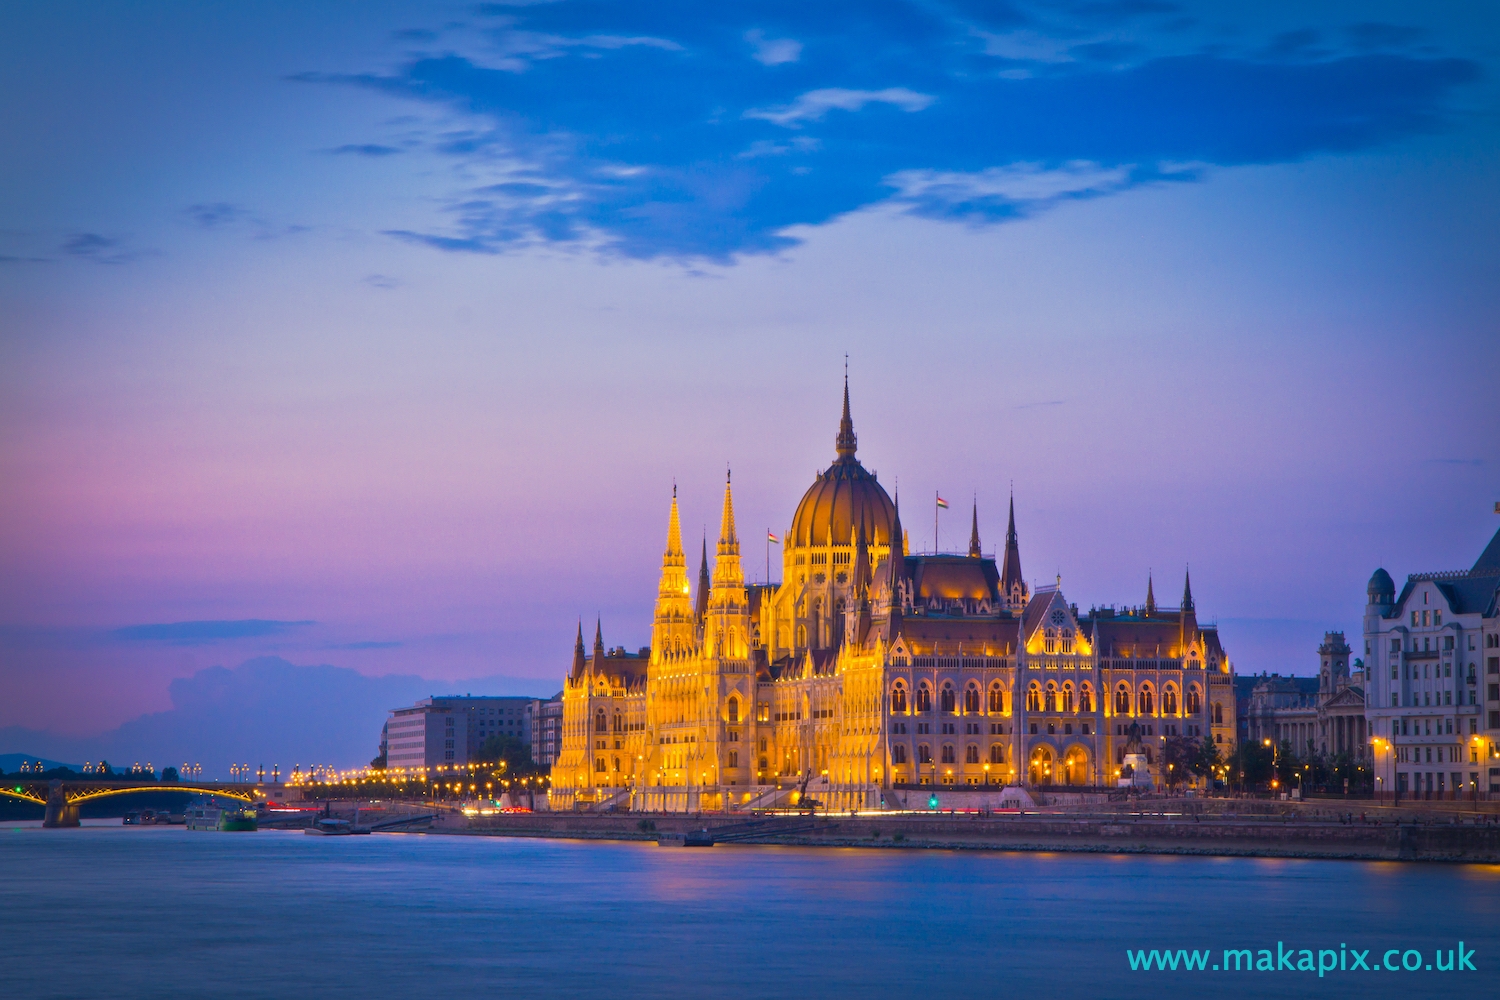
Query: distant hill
x=10, y=763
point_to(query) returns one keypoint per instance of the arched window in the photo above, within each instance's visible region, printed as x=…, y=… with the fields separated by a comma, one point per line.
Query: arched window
x=948, y=700
x=924, y=754
x=1169, y=701
x=801, y=636
x=1122, y=700
x=1194, y=704
x=924, y=698
x=898, y=698
x=734, y=709
x=1049, y=639
x=1086, y=699
x=947, y=753
x=971, y=754
x=997, y=699
x=1067, y=698
x=599, y=764
x=997, y=753
x=1218, y=714
x=1051, y=702
x=1147, y=702
x=1033, y=698
x=601, y=722
x=971, y=700
x=898, y=754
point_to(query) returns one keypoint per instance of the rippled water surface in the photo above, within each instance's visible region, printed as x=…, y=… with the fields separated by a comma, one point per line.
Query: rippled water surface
x=135, y=912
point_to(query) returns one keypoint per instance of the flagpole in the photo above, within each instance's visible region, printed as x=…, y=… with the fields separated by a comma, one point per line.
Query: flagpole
x=936, y=496
x=768, y=557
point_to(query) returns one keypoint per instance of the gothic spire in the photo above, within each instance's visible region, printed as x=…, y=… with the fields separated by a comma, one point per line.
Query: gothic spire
x=578, y=657
x=599, y=637
x=1010, y=573
x=727, y=570
x=1150, y=596
x=974, y=533
x=845, y=443
x=861, y=579
x=700, y=601
x=1187, y=590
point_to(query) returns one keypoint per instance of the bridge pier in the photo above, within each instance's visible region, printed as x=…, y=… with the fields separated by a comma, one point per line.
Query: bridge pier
x=60, y=812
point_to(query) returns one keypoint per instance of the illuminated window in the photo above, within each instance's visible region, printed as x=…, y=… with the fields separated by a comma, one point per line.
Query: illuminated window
x=898, y=698
x=947, y=753
x=924, y=698
x=924, y=754
x=1033, y=698
x=948, y=698
x=1193, y=705
x=734, y=709
x=997, y=753
x=971, y=754
x=1169, y=701
x=1147, y=702
x=997, y=699
x=971, y=699
x=1122, y=700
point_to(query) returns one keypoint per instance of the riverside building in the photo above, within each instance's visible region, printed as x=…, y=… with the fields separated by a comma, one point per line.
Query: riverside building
x=448, y=731
x=869, y=668
x=1433, y=665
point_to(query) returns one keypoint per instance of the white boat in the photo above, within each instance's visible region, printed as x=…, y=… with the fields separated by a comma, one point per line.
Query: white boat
x=203, y=817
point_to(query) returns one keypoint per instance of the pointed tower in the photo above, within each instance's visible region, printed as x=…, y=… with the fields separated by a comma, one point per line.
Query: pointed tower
x=598, y=663
x=974, y=533
x=726, y=619
x=673, y=627
x=860, y=581
x=893, y=576
x=846, y=443
x=1012, y=583
x=700, y=600
x=1189, y=612
x=579, y=662
x=1150, y=597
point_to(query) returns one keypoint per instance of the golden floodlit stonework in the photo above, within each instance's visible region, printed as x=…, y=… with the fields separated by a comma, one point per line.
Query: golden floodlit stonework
x=869, y=670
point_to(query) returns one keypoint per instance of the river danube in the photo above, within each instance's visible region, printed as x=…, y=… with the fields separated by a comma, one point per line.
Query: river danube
x=111, y=911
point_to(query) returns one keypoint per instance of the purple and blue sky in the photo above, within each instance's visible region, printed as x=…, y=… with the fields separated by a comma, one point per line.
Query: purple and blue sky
x=349, y=353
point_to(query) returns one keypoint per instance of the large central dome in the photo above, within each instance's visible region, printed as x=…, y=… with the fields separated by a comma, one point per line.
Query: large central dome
x=844, y=499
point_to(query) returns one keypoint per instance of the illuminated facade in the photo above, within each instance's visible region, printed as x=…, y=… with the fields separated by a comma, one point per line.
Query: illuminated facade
x=869, y=668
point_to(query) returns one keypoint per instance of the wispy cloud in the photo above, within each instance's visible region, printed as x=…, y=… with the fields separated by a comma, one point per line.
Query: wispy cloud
x=364, y=149
x=103, y=249
x=368, y=644
x=814, y=104
x=383, y=281
x=1046, y=402
x=201, y=633
x=772, y=51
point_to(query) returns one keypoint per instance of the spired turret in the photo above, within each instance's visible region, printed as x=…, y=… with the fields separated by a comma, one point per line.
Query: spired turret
x=1012, y=583
x=726, y=619
x=672, y=630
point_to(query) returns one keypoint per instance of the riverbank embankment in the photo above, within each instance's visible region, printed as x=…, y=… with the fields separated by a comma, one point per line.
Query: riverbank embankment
x=1284, y=836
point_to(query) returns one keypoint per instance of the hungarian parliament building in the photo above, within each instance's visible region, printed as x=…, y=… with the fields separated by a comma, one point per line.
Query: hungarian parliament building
x=870, y=670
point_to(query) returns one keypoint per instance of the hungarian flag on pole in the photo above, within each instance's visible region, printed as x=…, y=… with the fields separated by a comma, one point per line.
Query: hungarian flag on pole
x=772, y=538
x=942, y=503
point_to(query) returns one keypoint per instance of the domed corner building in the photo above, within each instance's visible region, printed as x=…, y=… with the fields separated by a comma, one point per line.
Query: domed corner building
x=870, y=677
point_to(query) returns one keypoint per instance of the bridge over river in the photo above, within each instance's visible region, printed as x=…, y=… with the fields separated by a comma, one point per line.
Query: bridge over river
x=62, y=798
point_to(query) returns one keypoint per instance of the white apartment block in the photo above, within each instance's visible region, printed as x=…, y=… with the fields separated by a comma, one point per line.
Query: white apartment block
x=1432, y=658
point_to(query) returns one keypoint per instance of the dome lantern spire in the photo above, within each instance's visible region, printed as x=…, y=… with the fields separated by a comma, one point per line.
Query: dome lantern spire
x=846, y=441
